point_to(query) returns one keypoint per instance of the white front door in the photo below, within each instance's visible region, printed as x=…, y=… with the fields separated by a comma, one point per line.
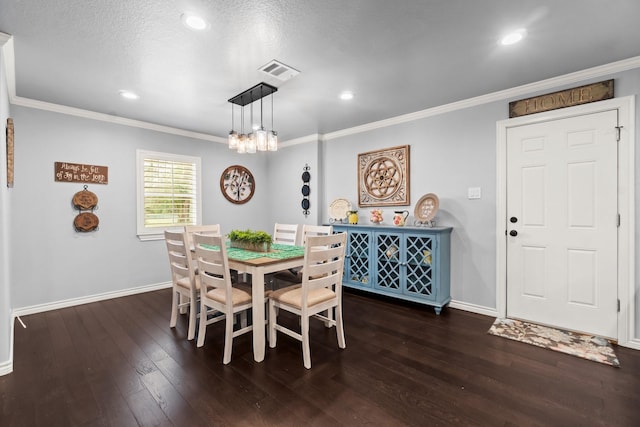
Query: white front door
x=562, y=220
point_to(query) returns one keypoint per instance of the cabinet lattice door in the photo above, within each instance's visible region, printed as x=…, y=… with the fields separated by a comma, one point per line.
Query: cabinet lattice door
x=388, y=262
x=419, y=252
x=410, y=263
x=357, y=269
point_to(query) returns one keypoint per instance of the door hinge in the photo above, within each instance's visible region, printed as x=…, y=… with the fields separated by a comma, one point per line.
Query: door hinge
x=618, y=220
x=618, y=306
x=618, y=129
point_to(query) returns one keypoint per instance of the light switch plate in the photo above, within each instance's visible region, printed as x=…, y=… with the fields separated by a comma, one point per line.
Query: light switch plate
x=474, y=193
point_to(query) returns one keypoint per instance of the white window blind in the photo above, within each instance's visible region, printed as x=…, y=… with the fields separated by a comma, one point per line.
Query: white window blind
x=168, y=192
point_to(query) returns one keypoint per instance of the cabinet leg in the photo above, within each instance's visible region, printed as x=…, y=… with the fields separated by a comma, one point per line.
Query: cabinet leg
x=438, y=310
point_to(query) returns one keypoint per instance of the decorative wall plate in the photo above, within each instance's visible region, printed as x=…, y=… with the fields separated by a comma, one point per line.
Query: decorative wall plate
x=237, y=184
x=86, y=221
x=85, y=199
x=338, y=208
x=427, y=207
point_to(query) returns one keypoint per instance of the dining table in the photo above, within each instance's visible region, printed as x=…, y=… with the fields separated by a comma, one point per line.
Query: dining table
x=258, y=264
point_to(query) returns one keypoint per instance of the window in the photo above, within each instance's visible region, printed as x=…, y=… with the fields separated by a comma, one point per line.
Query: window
x=168, y=192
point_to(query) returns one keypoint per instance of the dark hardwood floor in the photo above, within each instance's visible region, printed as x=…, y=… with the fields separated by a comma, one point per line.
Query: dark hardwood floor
x=117, y=363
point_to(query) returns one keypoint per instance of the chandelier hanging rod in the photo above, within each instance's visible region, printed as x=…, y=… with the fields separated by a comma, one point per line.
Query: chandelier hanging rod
x=255, y=93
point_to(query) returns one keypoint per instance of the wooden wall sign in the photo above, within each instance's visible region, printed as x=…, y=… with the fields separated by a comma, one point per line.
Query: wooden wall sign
x=10, y=153
x=74, y=172
x=564, y=98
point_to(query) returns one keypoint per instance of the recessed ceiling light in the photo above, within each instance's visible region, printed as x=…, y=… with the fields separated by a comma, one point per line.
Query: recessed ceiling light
x=194, y=22
x=346, y=95
x=513, y=37
x=128, y=94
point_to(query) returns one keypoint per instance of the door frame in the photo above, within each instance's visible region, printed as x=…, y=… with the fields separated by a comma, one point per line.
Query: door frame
x=626, y=204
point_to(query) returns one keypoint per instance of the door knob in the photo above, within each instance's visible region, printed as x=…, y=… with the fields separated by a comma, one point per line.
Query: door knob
x=513, y=233
x=513, y=219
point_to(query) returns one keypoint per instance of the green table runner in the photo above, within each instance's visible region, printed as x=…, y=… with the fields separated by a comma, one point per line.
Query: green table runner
x=278, y=251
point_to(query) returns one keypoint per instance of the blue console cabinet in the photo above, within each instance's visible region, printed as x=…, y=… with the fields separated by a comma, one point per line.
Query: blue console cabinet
x=410, y=263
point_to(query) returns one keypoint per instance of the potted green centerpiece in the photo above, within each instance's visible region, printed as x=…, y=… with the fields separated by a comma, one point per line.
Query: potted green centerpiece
x=258, y=241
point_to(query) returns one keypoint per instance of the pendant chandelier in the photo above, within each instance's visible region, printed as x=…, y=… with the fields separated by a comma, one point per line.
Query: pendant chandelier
x=259, y=139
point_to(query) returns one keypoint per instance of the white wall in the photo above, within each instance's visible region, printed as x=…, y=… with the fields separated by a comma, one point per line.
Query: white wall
x=73, y=265
x=285, y=170
x=449, y=153
x=5, y=233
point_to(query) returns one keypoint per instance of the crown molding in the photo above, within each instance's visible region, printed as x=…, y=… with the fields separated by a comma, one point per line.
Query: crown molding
x=4, y=37
x=552, y=83
x=314, y=137
x=6, y=41
x=78, y=112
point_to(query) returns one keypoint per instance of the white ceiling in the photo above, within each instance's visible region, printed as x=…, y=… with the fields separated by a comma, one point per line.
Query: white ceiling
x=398, y=56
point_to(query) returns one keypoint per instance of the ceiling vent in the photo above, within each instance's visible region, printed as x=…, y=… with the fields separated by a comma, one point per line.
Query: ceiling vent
x=279, y=71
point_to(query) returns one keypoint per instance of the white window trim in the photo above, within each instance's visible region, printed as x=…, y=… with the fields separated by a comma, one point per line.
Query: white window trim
x=143, y=232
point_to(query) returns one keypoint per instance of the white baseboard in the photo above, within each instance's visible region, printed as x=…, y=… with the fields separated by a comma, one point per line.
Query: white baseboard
x=6, y=367
x=473, y=308
x=633, y=344
x=41, y=308
x=492, y=312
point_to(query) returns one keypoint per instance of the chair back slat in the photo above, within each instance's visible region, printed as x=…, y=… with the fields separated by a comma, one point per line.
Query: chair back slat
x=285, y=234
x=209, y=230
x=314, y=231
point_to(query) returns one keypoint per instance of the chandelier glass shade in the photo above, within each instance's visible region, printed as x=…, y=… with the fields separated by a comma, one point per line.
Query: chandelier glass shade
x=242, y=143
x=259, y=139
x=272, y=141
x=233, y=140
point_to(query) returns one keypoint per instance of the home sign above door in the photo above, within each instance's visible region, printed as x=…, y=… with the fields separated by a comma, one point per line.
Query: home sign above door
x=561, y=99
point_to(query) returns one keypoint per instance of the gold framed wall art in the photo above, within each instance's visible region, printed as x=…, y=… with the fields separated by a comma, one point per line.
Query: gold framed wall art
x=383, y=177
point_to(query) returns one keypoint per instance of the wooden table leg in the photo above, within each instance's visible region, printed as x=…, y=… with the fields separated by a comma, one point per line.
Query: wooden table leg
x=257, y=292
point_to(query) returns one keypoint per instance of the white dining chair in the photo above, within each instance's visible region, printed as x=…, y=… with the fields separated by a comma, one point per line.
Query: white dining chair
x=285, y=234
x=219, y=300
x=184, y=281
x=315, y=230
x=295, y=275
x=320, y=291
x=208, y=229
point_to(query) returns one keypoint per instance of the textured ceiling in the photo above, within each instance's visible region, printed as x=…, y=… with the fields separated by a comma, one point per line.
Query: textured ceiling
x=397, y=56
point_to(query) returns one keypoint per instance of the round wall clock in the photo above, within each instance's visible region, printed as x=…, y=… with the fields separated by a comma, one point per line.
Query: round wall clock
x=237, y=184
